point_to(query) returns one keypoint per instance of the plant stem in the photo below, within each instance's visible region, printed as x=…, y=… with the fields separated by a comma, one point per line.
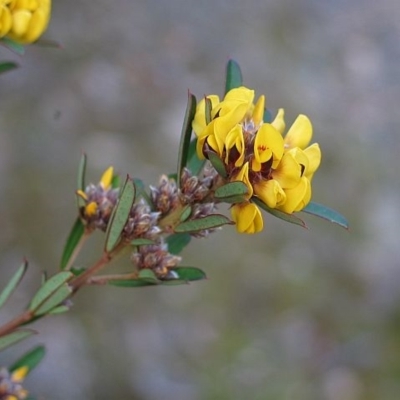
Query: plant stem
x=16, y=322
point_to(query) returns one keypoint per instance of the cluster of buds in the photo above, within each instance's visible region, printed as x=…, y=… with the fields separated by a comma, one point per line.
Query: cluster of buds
x=276, y=169
x=10, y=384
x=24, y=21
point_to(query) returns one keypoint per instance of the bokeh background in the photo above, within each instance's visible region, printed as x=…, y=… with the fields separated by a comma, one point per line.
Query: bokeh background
x=285, y=314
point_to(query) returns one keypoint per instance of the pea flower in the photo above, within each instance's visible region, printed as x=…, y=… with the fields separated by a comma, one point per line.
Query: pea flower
x=10, y=384
x=24, y=21
x=275, y=168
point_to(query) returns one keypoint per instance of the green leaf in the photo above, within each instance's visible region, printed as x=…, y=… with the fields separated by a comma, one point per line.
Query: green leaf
x=232, y=190
x=267, y=116
x=142, y=242
x=234, y=77
x=74, y=239
x=194, y=164
x=50, y=287
x=13, y=46
x=141, y=190
x=115, y=181
x=59, y=310
x=15, y=337
x=185, y=136
x=48, y=43
x=188, y=274
x=13, y=283
x=120, y=215
x=208, y=222
x=279, y=214
x=217, y=163
x=146, y=278
x=7, y=66
x=30, y=359
x=177, y=242
x=208, y=105
x=187, y=210
x=326, y=213
x=54, y=300
x=80, y=184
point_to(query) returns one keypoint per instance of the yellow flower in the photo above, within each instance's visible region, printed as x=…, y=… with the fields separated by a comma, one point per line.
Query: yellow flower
x=10, y=383
x=247, y=217
x=299, y=134
x=243, y=176
x=24, y=21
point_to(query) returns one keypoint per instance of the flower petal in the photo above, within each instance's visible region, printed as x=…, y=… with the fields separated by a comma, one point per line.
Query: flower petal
x=270, y=192
x=247, y=217
x=199, y=121
x=288, y=172
x=279, y=122
x=258, y=112
x=300, y=133
x=298, y=197
x=106, y=178
x=313, y=154
x=235, y=139
x=243, y=176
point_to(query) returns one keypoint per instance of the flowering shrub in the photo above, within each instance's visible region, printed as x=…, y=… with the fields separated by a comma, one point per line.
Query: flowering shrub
x=231, y=151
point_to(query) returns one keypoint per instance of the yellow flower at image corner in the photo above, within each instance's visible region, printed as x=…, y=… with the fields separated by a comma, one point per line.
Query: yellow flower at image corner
x=247, y=217
x=24, y=21
x=225, y=115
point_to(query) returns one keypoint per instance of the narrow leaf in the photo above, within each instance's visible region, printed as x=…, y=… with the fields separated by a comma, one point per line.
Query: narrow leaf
x=326, y=213
x=141, y=190
x=15, y=337
x=208, y=222
x=217, y=163
x=208, y=106
x=49, y=288
x=279, y=214
x=231, y=189
x=15, y=47
x=142, y=242
x=194, y=164
x=59, y=310
x=234, y=77
x=13, y=283
x=54, y=300
x=120, y=215
x=74, y=238
x=267, y=116
x=132, y=283
x=185, y=213
x=7, y=66
x=185, y=136
x=177, y=242
x=189, y=273
x=30, y=359
x=80, y=184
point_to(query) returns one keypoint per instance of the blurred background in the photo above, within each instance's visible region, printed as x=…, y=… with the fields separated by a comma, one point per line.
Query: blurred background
x=285, y=314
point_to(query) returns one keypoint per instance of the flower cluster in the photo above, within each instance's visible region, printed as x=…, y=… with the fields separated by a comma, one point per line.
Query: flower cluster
x=24, y=21
x=10, y=384
x=276, y=168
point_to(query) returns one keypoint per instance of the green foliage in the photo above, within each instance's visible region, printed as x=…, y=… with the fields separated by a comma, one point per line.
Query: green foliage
x=232, y=192
x=7, y=66
x=208, y=222
x=326, y=213
x=73, y=241
x=234, y=78
x=81, y=180
x=15, y=337
x=13, y=283
x=31, y=359
x=183, y=153
x=15, y=47
x=120, y=215
x=177, y=242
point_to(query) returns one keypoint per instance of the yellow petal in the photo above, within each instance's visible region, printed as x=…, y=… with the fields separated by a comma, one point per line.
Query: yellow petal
x=91, y=209
x=243, y=176
x=5, y=20
x=235, y=139
x=37, y=26
x=247, y=217
x=289, y=171
x=300, y=133
x=313, y=154
x=20, y=23
x=82, y=194
x=270, y=192
x=279, y=122
x=268, y=143
x=199, y=121
x=19, y=374
x=106, y=178
x=258, y=112
x=298, y=197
